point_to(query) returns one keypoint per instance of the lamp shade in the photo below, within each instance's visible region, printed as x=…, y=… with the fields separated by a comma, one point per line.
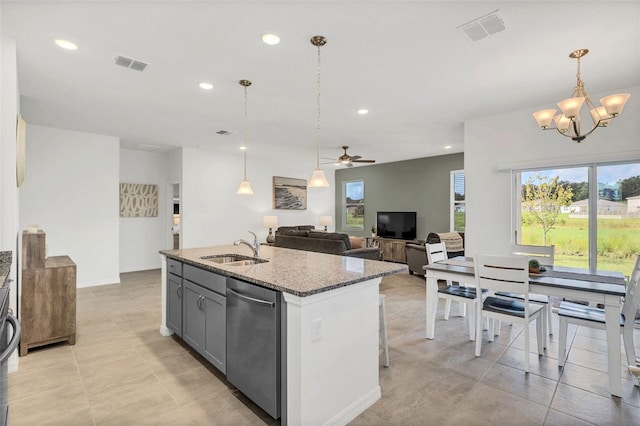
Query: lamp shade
x=600, y=115
x=571, y=107
x=244, y=188
x=615, y=103
x=318, y=179
x=544, y=117
x=326, y=220
x=269, y=221
x=562, y=122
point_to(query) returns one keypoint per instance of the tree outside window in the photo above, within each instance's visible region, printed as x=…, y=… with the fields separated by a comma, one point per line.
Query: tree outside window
x=354, y=205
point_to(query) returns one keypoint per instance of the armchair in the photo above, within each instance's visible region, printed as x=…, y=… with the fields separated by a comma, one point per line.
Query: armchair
x=417, y=253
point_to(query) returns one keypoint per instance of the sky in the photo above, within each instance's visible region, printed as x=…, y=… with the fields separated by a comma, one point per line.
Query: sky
x=606, y=174
x=355, y=190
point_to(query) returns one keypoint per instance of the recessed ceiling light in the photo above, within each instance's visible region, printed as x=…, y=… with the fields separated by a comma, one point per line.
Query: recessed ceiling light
x=447, y=147
x=271, y=39
x=363, y=111
x=206, y=86
x=66, y=44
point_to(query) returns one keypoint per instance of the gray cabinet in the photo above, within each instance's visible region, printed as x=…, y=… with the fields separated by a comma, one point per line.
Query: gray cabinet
x=174, y=296
x=204, y=317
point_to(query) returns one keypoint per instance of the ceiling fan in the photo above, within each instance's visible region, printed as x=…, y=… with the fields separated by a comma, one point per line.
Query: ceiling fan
x=348, y=160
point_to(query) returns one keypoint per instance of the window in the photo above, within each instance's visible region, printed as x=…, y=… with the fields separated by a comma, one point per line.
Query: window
x=593, y=226
x=353, y=202
x=458, y=207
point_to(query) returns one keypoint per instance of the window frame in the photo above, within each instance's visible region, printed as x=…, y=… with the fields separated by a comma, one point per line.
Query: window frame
x=345, y=205
x=452, y=199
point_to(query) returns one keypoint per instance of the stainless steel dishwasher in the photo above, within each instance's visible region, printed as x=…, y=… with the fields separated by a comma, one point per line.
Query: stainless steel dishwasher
x=253, y=343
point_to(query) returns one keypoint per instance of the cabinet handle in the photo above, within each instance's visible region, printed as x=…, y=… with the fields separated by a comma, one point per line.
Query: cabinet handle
x=179, y=291
x=199, y=303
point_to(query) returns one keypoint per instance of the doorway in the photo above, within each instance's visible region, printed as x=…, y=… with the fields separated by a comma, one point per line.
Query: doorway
x=175, y=215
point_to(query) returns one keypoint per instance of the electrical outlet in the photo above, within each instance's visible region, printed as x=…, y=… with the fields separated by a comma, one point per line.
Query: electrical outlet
x=316, y=329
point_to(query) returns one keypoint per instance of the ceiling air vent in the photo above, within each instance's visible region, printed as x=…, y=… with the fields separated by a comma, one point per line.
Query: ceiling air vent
x=483, y=26
x=225, y=132
x=130, y=63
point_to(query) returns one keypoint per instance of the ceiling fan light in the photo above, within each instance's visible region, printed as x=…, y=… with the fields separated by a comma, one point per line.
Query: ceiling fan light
x=600, y=116
x=318, y=179
x=544, y=117
x=614, y=104
x=571, y=107
x=244, y=188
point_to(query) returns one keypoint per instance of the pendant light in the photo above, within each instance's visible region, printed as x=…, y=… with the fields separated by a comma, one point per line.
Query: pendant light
x=245, y=186
x=318, y=179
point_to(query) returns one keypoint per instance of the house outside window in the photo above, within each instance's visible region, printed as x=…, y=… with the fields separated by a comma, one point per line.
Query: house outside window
x=353, y=205
x=589, y=213
x=458, y=206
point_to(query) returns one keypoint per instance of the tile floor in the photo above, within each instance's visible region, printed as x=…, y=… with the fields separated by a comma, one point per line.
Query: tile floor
x=121, y=371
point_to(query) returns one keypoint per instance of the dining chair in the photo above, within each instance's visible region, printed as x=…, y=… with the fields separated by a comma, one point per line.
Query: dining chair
x=588, y=316
x=465, y=296
x=506, y=274
x=545, y=256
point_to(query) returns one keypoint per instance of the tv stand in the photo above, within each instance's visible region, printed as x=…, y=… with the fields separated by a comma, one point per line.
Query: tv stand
x=391, y=249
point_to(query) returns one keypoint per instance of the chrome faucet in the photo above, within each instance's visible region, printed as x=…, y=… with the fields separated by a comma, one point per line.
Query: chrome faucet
x=255, y=246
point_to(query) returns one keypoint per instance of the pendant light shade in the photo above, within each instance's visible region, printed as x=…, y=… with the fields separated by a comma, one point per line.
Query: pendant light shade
x=318, y=179
x=245, y=186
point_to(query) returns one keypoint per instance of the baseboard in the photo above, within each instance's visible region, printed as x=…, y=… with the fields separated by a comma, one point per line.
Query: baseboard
x=139, y=268
x=96, y=283
x=357, y=408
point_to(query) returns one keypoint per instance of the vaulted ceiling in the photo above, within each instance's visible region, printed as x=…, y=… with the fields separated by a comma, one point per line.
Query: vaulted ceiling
x=406, y=62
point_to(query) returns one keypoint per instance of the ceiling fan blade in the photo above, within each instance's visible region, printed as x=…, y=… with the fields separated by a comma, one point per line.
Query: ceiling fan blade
x=355, y=157
x=363, y=161
x=348, y=165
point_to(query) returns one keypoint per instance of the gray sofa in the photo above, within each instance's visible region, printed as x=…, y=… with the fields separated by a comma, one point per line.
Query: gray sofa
x=417, y=253
x=303, y=238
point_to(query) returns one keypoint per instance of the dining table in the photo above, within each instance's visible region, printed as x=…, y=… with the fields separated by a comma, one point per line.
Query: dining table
x=597, y=287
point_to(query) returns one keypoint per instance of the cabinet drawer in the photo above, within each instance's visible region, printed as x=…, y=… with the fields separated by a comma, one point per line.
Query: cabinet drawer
x=206, y=279
x=174, y=267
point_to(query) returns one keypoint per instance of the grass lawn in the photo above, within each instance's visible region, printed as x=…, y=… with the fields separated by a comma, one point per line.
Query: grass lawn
x=618, y=242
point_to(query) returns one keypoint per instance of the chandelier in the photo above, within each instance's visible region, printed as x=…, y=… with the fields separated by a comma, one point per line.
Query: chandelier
x=568, y=123
x=245, y=186
x=318, y=179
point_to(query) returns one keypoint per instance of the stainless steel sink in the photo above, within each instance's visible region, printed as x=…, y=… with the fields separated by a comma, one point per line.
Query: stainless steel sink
x=233, y=259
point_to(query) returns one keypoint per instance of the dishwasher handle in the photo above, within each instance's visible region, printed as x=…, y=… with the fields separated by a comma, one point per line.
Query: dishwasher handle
x=252, y=299
x=13, y=344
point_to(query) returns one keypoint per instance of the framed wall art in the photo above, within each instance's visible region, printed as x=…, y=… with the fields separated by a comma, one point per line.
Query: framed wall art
x=289, y=193
x=138, y=200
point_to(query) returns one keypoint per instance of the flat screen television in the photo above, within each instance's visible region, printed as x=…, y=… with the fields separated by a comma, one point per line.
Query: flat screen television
x=400, y=225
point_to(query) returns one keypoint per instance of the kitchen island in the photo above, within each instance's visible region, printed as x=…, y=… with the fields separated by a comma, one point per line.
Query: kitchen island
x=329, y=324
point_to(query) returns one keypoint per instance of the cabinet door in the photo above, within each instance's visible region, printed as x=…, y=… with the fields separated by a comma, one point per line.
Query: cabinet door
x=174, y=304
x=215, y=329
x=192, y=315
x=399, y=254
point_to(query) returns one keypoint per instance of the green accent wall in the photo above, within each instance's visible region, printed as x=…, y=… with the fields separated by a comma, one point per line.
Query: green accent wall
x=420, y=185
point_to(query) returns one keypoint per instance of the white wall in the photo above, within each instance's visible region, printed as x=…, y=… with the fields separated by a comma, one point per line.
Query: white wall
x=495, y=145
x=71, y=191
x=212, y=213
x=142, y=237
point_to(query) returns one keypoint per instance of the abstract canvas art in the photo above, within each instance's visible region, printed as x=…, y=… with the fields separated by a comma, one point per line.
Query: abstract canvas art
x=289, y=193
x=138, y=200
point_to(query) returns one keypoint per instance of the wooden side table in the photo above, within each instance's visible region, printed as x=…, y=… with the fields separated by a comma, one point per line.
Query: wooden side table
x=48, y=300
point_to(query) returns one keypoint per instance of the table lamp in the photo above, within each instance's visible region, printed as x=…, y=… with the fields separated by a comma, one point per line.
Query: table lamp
x=326, y=220
x=270, y=222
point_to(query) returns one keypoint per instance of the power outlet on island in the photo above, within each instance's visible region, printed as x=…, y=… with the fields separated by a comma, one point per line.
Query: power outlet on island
x=316, y=329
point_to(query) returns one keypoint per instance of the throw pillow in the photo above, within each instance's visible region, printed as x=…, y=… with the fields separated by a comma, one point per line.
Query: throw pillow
x=356, y=242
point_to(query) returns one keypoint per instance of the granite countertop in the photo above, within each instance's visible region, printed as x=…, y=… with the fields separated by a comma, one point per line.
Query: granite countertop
x=5, y=265
x=298, y=272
